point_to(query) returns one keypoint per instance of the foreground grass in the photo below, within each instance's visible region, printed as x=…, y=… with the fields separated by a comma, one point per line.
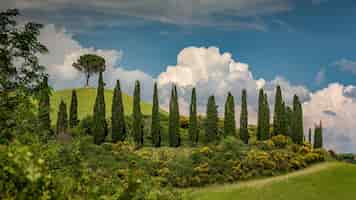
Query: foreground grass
x=86, y=99
x=323, y=181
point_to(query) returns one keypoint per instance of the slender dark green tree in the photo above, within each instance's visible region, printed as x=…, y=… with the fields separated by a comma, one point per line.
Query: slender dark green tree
x=261, y=115
x=118, y=126
x=284, y=120
x=211, y=121
x=174, y=135
x=73, y=114
x=289, y=120
x=310, y=136
x=155, y=122
x=244, y=118
x=229, y=116
x=44, y=106
x=193, y=120
x=266, y=119
x=137, y=125
x=297, y=122
x=318, y=136
x=100, y=125
x=278, y=112
x=62, y=119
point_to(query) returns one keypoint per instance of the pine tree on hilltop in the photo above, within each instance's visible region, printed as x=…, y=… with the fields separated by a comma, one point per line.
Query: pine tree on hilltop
x=244, y=135
x=310, y=136
x=44, y=106
x=62, y=120
x=193, y=120
x=297, y=126
x=211, y=121
x=155, y=122
x=137, y=124
x=229, y=116
x=100, y=125
x=118, y=126
x=278, y=112
x=73, y=115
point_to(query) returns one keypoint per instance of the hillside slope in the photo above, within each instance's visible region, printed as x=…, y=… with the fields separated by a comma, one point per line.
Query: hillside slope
x=86, y=99
x=323, y=181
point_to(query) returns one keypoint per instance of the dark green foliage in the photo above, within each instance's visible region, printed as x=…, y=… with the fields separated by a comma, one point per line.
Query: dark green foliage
x=289, y=121
x=193, y=120
x=44, y=106
x=173, y=127
x=263, y=117
x=229, y=116
x=73, y=115
x=297, y=122
x=20, y=74
x=211, y=121
x=118, y=131
x=100, y=125
x=278, y=116
x=318, y=136
x=90, y=64
x=284, y=122
x=137, y=125
x=155, y=122
x=244, y=118
x=310, y=136
x=62, y=119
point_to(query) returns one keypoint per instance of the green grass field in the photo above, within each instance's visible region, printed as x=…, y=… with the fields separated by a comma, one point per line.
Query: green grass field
x=327, y=181
x=86, y=99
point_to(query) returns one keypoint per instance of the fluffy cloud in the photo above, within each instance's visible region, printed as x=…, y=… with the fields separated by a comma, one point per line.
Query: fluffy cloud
x=64, y=50
x=336, y=107
x=346, y=65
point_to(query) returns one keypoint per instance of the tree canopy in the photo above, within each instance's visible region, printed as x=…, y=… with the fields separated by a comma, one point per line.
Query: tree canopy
x=89, y=64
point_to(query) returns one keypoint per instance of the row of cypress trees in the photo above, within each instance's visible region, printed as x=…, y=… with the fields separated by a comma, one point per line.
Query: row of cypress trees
x=286, y=120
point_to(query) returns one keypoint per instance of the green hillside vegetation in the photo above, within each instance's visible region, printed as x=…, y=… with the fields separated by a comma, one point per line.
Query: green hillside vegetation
x=327, y=181
x=86, y=100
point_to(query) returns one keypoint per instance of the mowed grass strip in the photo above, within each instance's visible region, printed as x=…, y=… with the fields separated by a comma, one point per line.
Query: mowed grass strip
x=326, y=181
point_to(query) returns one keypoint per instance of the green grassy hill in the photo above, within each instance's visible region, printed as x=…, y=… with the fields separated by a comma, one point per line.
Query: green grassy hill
x=327, y=181
x=86, y=99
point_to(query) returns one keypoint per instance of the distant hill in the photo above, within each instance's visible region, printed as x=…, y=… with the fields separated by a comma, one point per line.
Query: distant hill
x=86, y=99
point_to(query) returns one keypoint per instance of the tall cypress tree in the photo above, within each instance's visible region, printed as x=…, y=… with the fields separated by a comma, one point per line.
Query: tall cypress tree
x=297, y=125
x=318, y=136
x=137, y=124
x=289, y=121
x=229, y=116
x=211, y=121
x=155, y=122
x=44, y=106
x=174, y=136
x=177, y=117
x=118, y=131
x=266, y=118
x=310, y=136
x=73, y=114
x=284, y=120
x=193, y=120
x=100, y=126
x=278, y=112
x=62, y=119
x=244, y=118
x=260, y=116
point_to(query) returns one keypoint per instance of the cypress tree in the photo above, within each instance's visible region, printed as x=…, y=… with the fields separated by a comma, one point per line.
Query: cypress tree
x=318, y=136
x=100, y=126
x=229, y=116
x=310, y=136
x=118, y=127
x=155, y=122
x=266, y=119
x=137, y=124
x=278, y=112
x=244, y=118
x=193, y=120
x=174, y=136
x=289, y=121
x=297, y=126
x=73, y=115
x=44, y=106
x=260, y=116
x=177, y=117
x=211, y=121
x=284, y=120
x=62, y=119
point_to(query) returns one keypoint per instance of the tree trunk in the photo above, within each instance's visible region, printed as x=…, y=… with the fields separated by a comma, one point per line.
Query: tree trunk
x=87, y=80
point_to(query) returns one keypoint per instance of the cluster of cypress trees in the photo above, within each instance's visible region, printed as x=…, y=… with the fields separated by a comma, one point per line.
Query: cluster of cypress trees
x=174, y=124
x=263, y=120
x=286, y=120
